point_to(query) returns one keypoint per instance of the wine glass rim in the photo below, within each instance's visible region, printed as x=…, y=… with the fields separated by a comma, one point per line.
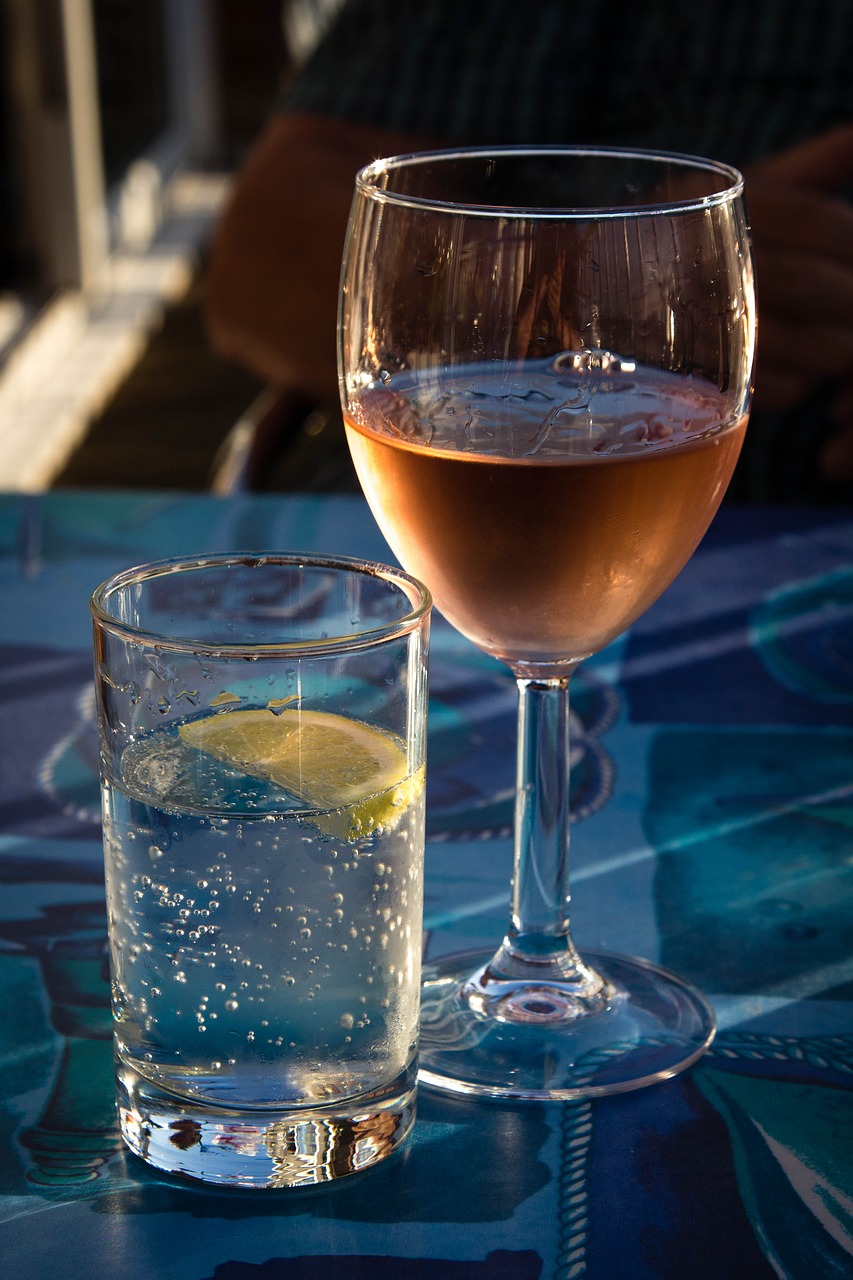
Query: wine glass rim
x=731, y=187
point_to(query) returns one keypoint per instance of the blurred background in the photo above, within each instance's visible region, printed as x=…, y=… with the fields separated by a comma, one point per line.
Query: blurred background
x=124, y=123
x=122, y=126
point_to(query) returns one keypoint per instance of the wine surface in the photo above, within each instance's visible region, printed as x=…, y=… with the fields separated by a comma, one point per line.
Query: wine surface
x=546, y=508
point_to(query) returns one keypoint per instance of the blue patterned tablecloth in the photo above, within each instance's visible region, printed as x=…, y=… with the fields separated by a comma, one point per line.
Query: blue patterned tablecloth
x=713, y=787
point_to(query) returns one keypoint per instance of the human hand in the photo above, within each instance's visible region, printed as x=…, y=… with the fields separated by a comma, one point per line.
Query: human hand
x=803, y=237
x=272, y=284
x=836, y=456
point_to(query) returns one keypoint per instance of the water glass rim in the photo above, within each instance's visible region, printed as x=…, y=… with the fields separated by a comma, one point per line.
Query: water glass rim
x=369, y=181
x=417, y=594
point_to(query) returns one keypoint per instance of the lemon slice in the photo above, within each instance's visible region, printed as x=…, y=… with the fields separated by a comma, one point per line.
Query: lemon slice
x=328, y=761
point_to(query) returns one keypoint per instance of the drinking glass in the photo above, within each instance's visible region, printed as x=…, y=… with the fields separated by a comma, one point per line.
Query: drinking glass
x=262, y=737
x=545, y=359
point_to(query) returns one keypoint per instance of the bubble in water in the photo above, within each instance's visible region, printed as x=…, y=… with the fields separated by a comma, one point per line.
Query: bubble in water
x=231, y=1005
x=591, y=360
x=347, y=1021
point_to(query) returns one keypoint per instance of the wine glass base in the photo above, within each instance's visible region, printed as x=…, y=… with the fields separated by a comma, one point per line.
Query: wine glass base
x=539, y=1041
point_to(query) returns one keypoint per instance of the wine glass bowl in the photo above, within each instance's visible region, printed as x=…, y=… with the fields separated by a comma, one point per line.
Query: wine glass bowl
x=545, y=363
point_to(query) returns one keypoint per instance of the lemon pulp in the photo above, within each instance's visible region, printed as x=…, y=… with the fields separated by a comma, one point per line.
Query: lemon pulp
x=329, y=762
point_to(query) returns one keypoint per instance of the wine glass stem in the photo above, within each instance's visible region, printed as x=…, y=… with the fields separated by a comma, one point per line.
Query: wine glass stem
x=540, y=890
x=538, y=945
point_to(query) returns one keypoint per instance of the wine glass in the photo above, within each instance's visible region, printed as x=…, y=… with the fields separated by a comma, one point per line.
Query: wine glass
x=545, y=363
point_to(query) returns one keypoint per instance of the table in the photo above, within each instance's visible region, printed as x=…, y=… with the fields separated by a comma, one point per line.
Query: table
x=713, y=783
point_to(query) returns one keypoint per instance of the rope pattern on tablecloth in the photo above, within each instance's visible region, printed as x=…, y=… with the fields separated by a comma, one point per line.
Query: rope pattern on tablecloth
x=831, y=1053
x=575, y=1137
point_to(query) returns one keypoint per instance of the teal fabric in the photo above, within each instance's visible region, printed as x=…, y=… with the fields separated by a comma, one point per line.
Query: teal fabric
x=714, y=804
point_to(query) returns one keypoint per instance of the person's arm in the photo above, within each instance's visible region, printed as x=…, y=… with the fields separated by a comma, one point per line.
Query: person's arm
x=273, y=277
